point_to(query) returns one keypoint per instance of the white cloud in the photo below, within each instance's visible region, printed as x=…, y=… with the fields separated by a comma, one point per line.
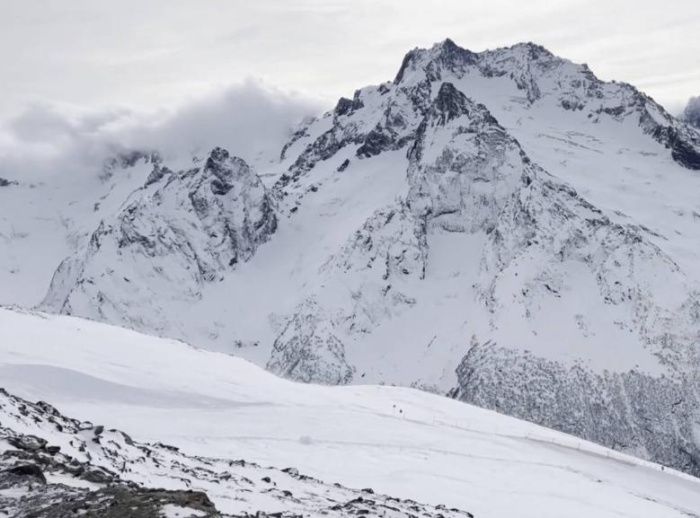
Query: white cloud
x=250, y=119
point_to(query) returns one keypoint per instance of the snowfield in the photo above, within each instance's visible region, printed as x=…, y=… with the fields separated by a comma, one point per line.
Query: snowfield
x=399, y=441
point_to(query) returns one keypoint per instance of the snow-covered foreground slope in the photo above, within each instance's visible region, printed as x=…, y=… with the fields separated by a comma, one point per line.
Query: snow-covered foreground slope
x=398, y=441
x=52, y=466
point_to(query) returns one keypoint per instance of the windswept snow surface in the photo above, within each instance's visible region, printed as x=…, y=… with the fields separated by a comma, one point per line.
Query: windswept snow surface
x=400, y=441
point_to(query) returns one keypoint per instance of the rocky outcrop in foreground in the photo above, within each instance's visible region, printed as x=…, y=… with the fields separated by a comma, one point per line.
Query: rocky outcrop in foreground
x=67, y=467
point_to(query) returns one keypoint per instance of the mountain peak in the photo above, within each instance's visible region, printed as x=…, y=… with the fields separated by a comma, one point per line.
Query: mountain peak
x=448, y=46
x=224, y=167
x=218, y=154
x=531, y=50
x=447, y=53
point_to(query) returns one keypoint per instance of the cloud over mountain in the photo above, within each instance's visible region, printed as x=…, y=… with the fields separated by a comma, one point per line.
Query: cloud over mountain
x=249, y=119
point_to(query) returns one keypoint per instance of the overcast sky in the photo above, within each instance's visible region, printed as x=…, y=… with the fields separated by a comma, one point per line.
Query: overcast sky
x=110, y=60
x=146, y=53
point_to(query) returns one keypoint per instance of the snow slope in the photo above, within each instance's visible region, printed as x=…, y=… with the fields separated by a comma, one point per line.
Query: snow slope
x=400, y=441
x=52, y=466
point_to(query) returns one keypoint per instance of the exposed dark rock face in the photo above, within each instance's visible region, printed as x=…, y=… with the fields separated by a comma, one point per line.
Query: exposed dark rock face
x=342, y=167
x=374, y=143
x=681, y=139
x=25, y=473
x=683, y=152
x=55, y=501
x=346, y=106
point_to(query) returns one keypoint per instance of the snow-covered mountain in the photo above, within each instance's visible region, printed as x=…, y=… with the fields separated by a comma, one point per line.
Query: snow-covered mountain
x=201, y=421
x=179, y=231
x=500, y=226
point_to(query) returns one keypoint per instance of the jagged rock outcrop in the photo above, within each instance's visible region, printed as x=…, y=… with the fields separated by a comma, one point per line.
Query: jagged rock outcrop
x=180, y=231
x=99, y=472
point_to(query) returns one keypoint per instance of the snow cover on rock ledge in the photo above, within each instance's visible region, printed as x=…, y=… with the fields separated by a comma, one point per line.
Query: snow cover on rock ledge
x=398, y=441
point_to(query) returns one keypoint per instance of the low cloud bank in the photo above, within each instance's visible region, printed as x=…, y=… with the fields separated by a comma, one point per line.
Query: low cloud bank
x=252, y=120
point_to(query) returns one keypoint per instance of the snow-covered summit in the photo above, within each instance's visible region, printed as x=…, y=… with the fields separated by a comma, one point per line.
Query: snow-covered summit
x=547, y=79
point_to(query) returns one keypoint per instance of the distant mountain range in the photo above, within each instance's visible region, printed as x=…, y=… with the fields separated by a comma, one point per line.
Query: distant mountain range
x=501, y=227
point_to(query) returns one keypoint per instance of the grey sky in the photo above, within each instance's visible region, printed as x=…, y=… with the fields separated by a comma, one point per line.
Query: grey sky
x=153, y=53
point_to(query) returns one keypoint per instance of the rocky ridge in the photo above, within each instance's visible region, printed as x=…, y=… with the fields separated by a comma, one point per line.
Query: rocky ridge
x=66, y=467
